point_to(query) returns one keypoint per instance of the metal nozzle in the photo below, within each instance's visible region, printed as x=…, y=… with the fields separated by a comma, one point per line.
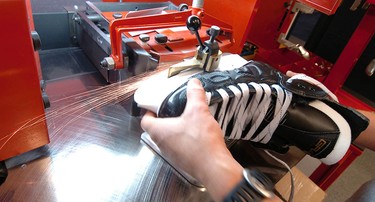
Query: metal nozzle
x=304, y=53
x=197, y=4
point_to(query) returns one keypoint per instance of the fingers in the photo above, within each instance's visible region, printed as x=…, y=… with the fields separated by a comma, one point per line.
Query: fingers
x=195, y=90
x=151, y=125
x=291, y=73
x=159, y=128
x=196, y=96
x=148, y=120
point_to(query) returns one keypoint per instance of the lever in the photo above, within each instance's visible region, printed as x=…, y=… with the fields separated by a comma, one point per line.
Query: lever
x=211, y=44
x=214, y=32
x=193, y=23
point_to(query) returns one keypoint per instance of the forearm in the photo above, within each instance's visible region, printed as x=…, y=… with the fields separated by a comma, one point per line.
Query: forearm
x=367, y=138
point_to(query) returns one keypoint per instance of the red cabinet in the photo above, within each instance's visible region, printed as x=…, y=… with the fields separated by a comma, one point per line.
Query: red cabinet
x=23, y=126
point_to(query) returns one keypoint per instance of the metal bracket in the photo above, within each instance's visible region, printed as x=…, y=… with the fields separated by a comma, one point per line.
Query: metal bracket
x=370, y=69
x=294, y=47
x=197, y=62
x=299, y=7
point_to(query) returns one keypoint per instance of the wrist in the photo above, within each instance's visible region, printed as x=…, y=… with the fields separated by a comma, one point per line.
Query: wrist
x=220, y=175
x=254, y=186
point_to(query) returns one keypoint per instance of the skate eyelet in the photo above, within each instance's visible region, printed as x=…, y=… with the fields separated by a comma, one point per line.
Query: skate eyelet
x=301, y=86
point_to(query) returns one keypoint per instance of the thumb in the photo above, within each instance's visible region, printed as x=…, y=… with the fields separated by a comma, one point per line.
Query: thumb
x=196, y=95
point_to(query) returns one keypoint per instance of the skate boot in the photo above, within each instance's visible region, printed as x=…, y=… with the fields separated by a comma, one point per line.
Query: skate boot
x=260, y=104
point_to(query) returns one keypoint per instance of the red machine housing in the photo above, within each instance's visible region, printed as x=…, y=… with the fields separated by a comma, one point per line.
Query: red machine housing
x=325, y=175
x=324, y=6
x=23, y=125
x=181, y=43
x=239, y=15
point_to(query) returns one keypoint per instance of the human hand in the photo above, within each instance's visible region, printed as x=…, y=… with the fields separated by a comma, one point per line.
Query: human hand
x=290, y=73
x=367, y=139
x=194, y=143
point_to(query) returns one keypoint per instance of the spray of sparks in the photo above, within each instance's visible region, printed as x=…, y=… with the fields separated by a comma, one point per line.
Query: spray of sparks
x=82, y=103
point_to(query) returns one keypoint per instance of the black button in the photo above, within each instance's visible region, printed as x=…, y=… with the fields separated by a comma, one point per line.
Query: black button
x=161, y=38
x=144, y=37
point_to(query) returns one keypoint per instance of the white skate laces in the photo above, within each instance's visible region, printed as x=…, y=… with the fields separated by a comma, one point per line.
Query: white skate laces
x=245, y=109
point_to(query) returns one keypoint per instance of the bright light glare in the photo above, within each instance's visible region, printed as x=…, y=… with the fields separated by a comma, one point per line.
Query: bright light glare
x=94, y=173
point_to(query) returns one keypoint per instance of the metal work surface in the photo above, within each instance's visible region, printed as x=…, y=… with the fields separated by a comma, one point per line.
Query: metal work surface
x=96, y=152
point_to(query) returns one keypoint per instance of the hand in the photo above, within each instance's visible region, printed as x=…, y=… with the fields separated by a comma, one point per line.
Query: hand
x=291, y=73
x=194, y=142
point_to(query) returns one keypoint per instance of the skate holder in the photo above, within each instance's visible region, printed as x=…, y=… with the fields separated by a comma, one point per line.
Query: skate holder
x=207, y=55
